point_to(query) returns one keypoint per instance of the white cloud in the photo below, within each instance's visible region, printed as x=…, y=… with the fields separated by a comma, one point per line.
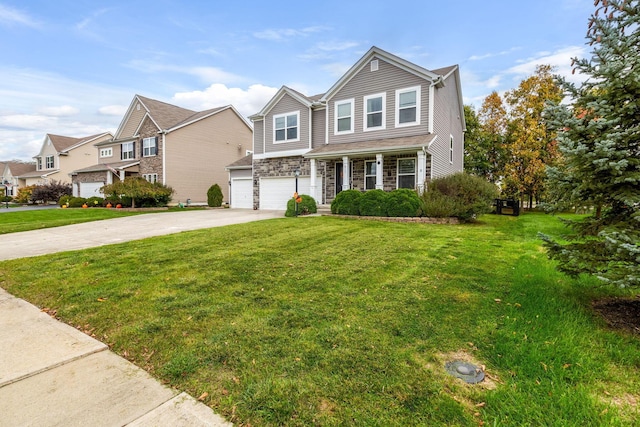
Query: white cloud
x=560, y=59
x=60, y=111
x=10, y=16
x=247, y=101
x=335, y=46
x=493, y=55
x=288, y=33
x=113, y=110
x=206, y=74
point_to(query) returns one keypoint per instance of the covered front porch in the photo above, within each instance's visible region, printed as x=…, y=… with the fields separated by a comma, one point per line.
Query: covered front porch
x=384, y=164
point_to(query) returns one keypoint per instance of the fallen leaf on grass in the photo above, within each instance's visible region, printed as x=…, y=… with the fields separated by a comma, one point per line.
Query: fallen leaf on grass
x=102, y=299
x=498, y=300
x=203, y=396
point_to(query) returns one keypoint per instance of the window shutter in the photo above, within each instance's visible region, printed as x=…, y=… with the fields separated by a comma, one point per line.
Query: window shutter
x=155, y=148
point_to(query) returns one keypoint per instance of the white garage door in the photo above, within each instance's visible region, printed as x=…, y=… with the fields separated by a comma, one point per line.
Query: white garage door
x=242, y=193
x=276, y=192
x=90, y=189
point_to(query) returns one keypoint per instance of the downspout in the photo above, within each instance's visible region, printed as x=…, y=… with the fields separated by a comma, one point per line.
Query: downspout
x=164, y=157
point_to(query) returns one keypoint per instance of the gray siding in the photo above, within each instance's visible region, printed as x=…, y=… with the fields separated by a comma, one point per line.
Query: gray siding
x=258, y=135
x=447, y=121
x=319, y=128
x=287, y=105
x=388, y=78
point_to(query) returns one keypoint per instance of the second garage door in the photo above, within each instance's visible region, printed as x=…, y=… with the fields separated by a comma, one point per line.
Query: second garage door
x=276, y=192
x=90, y=189
x=242, y=193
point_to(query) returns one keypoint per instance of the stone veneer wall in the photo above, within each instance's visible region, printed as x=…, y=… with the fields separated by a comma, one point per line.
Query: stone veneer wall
x=389, y=179
x=282, y=167
x=151, y=164
x=90, y=177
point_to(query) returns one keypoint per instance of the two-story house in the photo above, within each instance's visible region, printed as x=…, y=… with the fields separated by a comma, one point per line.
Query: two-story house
x=12, y=175
x=385, y=124
x=60, y=155
x=184, y=149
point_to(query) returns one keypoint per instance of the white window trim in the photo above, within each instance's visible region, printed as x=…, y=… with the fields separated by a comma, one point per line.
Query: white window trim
x=405, y=90
x=106, y=152
x=122, y=151
x=382, y=95
x=451, y=149
x=39, y=163
x=285, y=115
x=151, y=177
x=415, y=170
x=335, y=116
x=48, y=165
x=145, y=148
x=374, y=176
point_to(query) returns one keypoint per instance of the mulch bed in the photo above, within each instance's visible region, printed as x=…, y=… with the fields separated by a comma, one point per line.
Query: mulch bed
x=620, y=313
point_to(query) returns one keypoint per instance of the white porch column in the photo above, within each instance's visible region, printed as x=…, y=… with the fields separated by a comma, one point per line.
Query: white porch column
x=422, y=167
x=312, y=179
x=346, y=173
x=109, y=178
x=379, y=174
x=122, y=174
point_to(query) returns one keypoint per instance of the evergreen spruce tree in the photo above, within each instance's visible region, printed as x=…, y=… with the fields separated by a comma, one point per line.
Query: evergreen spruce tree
x=599, y=138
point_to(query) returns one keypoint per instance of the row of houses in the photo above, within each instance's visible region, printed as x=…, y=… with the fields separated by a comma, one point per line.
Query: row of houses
x=386, y=123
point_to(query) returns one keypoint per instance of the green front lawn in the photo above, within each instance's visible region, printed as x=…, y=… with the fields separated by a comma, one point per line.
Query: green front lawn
x=327, y=321
x=13, y=222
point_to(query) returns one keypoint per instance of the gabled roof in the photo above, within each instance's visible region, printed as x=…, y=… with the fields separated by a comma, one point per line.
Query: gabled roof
x=387, y=57
x=205, y=114
x=244, y=163
x=284, y=90
x=162, y=114
x=64, y=144
x=18, y=168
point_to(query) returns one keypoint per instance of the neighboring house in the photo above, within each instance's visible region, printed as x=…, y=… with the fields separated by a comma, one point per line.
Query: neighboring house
x=386, y=124
x=12, y=172
x=178, y=147
x=60, y=155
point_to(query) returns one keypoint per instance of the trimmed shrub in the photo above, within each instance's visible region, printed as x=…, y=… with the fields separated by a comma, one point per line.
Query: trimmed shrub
x=64, y=200
x=305, y=207
x=374, y=203
x=49, y=192
x=214, y=196
x=95, y=202
x=461, y=195
x=403, y=202
x=76, y=202
x=347, y=202
x=137, y=191
x=24, y=194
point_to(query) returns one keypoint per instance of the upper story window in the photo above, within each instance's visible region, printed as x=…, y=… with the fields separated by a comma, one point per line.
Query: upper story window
x=451, y=149
x=408, y=106
x=128, y=151
x=106, y=152
x=39, y=160
x=344, y=116
x=285, y=127
x=49, y=162
x=374, y=111
x=149, y=146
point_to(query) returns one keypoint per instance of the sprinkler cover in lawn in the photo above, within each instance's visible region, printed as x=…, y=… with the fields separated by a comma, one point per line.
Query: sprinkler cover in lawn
x=466, y=371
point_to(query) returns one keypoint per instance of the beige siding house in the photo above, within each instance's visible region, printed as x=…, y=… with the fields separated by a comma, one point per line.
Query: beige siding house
x=181, y=148
x=386, y=124
x=13, y=173
x=60, y=155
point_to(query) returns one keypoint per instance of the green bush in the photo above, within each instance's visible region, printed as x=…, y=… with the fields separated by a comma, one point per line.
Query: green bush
x=347, y=202
x=214, y=196
x=403, y=202
x=64, y=200
x=95, y=202
x=137, y=191
x=24, y=194
x=76, y=202
x=305, y=207
x=461, y=195
x=374, y=203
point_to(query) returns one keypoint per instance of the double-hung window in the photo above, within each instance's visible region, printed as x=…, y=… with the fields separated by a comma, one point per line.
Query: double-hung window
x=451, y=149
x=407, y=173
x=49, y=162
x=285, y=127
x=39, y=163
x=128, y=151
x=370, y=174
x=344, y=116
x=149, y=146
x=408, y=106
x=374, y=111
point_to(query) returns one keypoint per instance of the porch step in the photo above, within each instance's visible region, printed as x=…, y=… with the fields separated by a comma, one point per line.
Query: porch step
x=324, y=209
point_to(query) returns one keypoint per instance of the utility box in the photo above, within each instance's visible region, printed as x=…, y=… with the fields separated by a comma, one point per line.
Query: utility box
x=507, y=207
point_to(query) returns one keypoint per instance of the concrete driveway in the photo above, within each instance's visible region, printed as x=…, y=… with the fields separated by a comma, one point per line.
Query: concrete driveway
x=118, y=230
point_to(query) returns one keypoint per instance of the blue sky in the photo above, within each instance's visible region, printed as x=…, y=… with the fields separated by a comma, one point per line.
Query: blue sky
x=72, y=67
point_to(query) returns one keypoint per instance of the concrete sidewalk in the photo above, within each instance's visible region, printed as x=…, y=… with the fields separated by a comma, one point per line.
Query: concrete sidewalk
x=52, y=374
